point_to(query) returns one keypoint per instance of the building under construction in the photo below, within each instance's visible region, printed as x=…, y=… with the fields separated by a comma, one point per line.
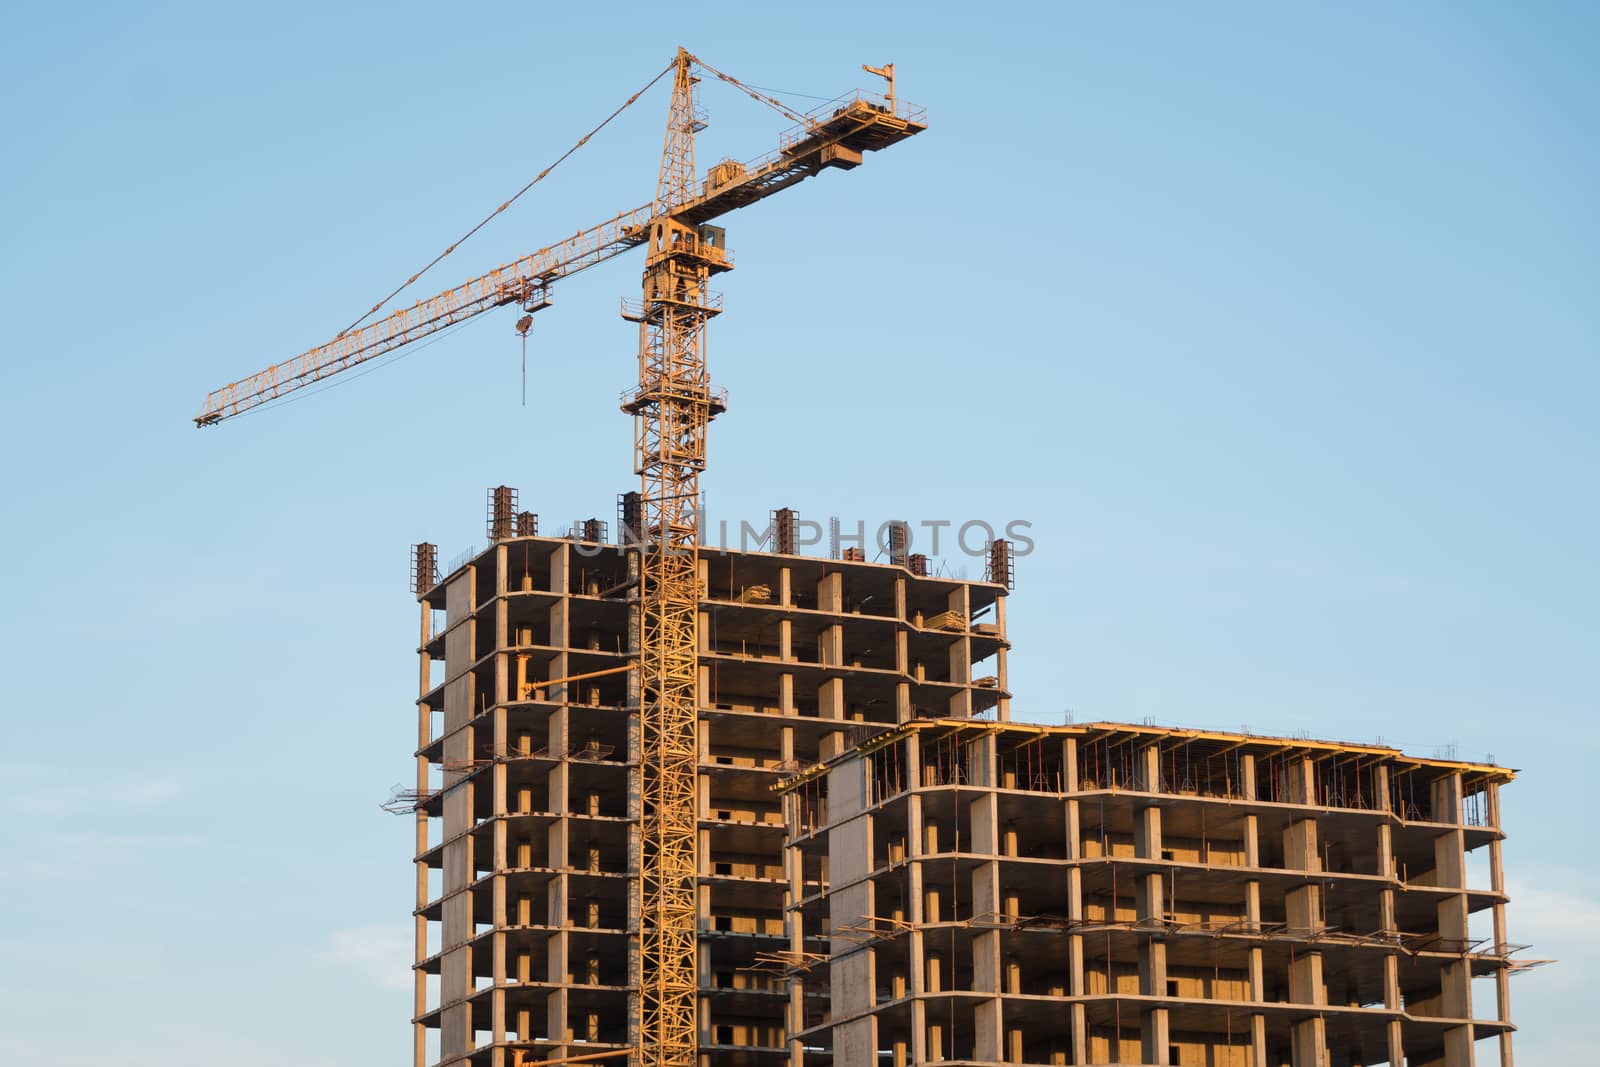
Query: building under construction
x=703, y=808
x=890, y=871
x=990, y=892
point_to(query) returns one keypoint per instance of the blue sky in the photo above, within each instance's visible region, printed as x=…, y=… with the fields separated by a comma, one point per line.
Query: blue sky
x=1277, y=324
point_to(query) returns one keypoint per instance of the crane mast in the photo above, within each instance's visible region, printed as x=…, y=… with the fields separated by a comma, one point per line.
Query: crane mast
x=672, y=405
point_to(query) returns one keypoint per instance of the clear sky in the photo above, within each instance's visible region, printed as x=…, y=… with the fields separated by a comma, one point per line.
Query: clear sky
x=1277, y=322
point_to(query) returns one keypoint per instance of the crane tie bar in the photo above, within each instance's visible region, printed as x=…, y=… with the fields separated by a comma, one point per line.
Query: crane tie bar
x=518, y=195
x=797, y=119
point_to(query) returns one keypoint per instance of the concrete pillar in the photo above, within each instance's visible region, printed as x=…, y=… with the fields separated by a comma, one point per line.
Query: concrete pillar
x=917, y=904
x=960, y=665
x=1303, y=911
x=1497, y=883
x=1450, y=873
x=1308, y=1042
x=902, y=653
x=1458, y=1047
x=794, y=891
x=419, y=985
x=1387, y=868
x=986, y=964
x=460, y=700
x=1076, y=983
x=498, y=775
x=1150, y=900
x=1002, y=667
x=830, y=699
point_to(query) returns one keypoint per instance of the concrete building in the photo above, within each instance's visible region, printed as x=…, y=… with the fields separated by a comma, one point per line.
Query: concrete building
x=525, y=840
x=989, y=893
x=891, y=872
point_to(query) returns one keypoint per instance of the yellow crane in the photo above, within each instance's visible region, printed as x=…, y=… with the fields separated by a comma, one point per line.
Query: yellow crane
x=672, y=405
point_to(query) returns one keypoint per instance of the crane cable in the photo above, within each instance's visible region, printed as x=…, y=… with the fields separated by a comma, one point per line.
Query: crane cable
x=730, y=79
x=536, y=180
x=753, y=93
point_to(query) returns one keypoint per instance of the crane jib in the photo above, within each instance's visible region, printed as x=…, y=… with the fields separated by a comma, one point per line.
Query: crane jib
x=853, y=124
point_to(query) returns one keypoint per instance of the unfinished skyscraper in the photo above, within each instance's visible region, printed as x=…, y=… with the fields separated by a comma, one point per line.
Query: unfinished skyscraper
x=527, y=765
x=891, y=872
x=1112, y=894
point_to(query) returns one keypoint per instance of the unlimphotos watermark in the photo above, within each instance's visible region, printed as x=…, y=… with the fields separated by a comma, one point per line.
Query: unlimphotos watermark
x=792, y=534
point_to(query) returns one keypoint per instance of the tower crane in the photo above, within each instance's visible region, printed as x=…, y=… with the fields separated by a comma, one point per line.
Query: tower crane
x=672, y=406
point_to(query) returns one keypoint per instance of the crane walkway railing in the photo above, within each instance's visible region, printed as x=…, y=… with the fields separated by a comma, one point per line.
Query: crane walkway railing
x=839, y=105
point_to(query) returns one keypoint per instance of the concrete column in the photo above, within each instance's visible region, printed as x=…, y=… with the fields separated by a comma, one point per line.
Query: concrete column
x=902, y=654
x=1308, y=1042
x=1152, y=905
x=986, y=969
x=1155, y=1038
x=419, y=985
x=1076, y=986
x=1002, y=669
x=1497, y=883
x=502, y=609
x=1013, y=1045
x=830, y=597
x=902, y=648
x=1303, y=911
x=1387, y=868
x=1449, y=854
x=960, y=704
x=850, y=905
x=497, y=1000
x=561, y=570
x=633, y=699
x=1075, y=910
x=455, y=1029
x=830, y=699
x=1252, y=910
x=794, y=891
x=916, y=962
x=499, y=774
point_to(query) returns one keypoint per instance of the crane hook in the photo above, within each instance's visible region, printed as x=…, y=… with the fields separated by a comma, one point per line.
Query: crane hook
x=523, y=325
